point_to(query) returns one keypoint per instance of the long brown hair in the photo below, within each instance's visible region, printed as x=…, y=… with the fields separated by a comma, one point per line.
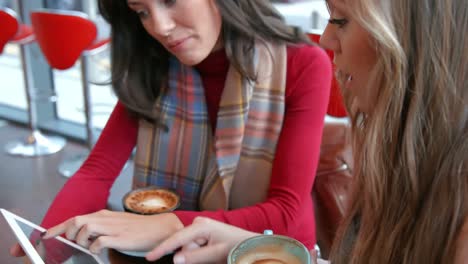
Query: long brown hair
x=410, y=191
x=139, y=62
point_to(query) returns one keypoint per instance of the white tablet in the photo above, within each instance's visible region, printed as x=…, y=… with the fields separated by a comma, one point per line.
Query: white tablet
x=47, y=251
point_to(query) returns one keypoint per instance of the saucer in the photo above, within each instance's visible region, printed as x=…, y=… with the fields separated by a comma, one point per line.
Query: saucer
x=140, y=254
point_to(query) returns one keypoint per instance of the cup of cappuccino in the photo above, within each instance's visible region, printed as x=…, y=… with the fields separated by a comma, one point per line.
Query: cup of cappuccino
x=150, y=200
x=269, y=249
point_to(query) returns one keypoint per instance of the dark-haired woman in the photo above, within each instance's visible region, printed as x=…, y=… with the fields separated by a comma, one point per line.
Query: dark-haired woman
x=225, y=105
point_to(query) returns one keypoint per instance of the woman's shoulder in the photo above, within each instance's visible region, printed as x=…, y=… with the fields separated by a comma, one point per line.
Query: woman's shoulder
x=309, y=71
x=307, y=61
x=462, y=244
x=307, y=54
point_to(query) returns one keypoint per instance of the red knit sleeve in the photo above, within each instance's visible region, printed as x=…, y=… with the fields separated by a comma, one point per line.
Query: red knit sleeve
x=88, y=189
x=288, y=209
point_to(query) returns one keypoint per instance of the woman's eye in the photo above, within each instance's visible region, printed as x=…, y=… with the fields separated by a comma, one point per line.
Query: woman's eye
x=142, y=13
x=169, y=2
x=339, y=22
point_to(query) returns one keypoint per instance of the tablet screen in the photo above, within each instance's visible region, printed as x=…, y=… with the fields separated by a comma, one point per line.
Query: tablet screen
x=51, y=251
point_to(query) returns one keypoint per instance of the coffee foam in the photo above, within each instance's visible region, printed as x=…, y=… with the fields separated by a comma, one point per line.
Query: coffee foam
x=151, y=201
x=156, y=202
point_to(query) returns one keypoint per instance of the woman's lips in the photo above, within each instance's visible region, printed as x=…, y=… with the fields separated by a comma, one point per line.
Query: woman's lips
x=177, y=44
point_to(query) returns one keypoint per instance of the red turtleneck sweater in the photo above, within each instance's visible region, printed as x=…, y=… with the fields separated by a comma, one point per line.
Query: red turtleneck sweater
x=288, y=209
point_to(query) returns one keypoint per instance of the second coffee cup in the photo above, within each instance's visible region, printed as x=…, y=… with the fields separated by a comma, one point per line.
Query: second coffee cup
x=269, y=249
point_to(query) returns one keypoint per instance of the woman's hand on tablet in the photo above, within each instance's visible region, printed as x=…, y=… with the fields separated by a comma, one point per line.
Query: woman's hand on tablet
x=118, y=230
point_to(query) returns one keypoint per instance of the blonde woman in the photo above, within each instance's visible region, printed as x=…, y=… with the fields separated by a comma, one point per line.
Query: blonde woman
x=403, y=67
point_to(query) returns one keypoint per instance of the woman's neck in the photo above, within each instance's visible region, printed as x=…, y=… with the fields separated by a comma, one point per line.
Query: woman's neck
x=215, y=64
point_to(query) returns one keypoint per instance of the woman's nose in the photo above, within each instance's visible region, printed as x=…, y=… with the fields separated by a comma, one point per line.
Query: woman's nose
x=162, y=23
x=328, y=40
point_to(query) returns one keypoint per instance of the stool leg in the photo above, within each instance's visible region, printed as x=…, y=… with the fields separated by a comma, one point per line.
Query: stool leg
x=36, y=144
x=87, y=102
x=69, y=166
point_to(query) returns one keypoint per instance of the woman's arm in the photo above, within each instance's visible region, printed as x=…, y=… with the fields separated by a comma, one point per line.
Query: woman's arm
x=288, y=203
x=88, y=190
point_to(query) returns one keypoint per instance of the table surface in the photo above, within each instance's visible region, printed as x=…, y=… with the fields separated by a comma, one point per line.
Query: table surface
x=114, y=257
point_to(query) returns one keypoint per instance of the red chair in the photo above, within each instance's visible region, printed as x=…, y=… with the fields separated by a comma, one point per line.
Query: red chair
x=10, y=26
x=9, y=29
x=64, y=38
x=334, y=173
x=36, y=144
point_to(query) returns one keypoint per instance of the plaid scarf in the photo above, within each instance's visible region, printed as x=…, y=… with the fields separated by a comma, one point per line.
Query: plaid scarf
x=227, y=170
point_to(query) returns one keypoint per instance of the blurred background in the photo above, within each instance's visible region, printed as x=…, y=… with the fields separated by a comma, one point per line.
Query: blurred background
x=65, y=116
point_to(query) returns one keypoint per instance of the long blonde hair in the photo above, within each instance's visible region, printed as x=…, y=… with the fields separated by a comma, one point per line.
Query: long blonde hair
x=410, y=191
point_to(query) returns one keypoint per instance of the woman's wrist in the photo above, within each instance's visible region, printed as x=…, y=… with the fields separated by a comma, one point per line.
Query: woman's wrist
x=176, y=223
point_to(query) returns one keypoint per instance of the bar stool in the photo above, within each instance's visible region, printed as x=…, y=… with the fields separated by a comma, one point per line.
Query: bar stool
x=64, y=38
x=7, y=32
x=36, y=144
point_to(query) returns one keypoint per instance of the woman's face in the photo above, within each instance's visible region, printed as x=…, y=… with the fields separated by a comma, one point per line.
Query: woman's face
x=354, y=54
x=189, y=29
